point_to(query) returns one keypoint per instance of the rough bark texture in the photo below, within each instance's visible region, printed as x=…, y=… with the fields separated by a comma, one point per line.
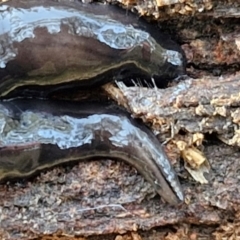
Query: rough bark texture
x=206, y=105
x=96, y=198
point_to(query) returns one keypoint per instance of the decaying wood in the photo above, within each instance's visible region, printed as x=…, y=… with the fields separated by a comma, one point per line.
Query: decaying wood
x=206, y=105
x=107, y=197
x=103, y=197
x=166, y=9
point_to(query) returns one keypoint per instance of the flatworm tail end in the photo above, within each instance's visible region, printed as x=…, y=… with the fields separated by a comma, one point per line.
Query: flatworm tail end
x=53, y=133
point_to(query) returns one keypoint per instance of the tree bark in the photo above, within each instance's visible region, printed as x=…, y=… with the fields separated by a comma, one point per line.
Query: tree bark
x=92, y=199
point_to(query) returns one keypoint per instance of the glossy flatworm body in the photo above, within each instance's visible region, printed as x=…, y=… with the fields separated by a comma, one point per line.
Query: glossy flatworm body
x=50, y=45
x=39, y=134
x=46, y=46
